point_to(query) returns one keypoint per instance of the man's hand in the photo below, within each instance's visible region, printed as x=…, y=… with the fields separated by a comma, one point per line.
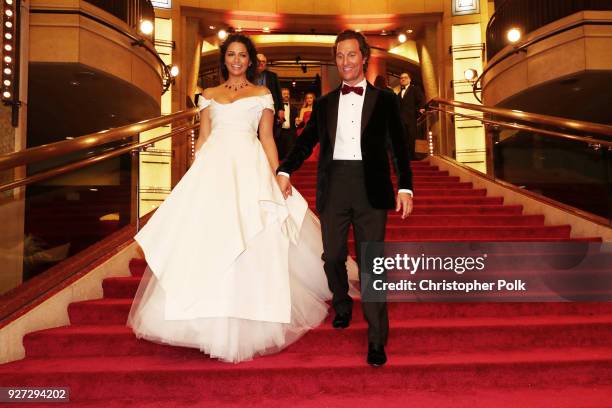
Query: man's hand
x=404, y=203
x=422, y=111
x=281, y=116
x=284, y=184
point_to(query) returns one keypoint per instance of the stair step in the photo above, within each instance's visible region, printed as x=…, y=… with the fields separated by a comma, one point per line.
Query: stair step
x=457, y=209
x=424, y=185
x=120, y=287
x=295, y=374
x=420, y=192
x=465, y=220
x=425, y=336
x=478, y=232
x=415, y=172
x=115, y=311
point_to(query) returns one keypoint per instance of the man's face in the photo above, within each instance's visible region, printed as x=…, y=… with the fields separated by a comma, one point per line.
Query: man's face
x=405, y=79
x=262, y=63
x=349, y=61
x=286, y=95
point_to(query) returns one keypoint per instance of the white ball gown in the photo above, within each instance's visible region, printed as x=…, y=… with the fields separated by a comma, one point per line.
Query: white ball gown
x=234, y=269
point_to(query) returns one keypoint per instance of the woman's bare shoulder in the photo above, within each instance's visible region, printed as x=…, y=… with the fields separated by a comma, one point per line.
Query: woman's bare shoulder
x=261, y=90
x=210, y=93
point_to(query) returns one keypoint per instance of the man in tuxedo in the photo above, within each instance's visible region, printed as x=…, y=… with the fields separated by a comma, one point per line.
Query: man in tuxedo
x=412, y=101
x=353, y=178
x=287, y=132
x=269, y=79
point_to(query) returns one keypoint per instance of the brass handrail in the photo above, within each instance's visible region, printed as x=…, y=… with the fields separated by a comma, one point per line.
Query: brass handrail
x=583, y=139
x=51, y=150
x=91, y=160
x=535, y=118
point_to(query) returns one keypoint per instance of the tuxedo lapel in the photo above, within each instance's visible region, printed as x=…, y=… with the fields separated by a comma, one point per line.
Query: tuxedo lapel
x=332, y=115
x=371, y=94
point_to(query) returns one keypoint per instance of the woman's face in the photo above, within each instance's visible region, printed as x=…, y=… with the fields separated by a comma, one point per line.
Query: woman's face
x=237, y=59
x=309, y=99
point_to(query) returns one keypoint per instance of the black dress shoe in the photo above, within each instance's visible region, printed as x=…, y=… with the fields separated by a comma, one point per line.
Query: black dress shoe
x=376, y=355
x=342, y=320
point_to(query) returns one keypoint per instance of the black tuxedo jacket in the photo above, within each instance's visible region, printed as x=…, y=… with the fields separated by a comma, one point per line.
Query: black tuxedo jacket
x=380, y=117
x=412, y=101
x=275, y=89
x=293, y=113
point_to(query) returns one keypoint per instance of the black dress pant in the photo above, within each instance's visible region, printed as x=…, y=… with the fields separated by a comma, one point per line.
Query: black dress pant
x=411, y=131
x=347, y=204
x=285, y=141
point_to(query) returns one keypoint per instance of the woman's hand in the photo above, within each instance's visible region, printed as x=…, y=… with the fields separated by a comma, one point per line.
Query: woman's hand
x=284, y=184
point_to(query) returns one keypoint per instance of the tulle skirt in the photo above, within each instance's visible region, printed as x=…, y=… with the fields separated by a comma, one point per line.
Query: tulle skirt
x=235, y=339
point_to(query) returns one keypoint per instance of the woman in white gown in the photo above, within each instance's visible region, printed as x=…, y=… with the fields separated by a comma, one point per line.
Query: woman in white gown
x=234, y=269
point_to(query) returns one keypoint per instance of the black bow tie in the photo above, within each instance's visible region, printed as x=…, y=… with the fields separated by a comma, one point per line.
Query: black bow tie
x=348, y=89
x=403, y=87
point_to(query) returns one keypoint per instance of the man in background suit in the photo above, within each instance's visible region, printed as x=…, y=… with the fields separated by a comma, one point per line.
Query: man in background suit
x=412, y=101
x=287, y=133
x=270, y=80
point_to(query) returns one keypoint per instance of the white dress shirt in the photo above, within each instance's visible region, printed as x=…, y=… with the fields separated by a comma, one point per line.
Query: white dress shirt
x=348, y=130
x=287, y=122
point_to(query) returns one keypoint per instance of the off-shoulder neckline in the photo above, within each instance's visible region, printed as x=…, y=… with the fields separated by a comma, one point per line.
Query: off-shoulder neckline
x=239, y=99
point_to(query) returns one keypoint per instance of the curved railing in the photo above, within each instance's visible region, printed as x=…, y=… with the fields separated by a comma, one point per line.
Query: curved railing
x=529, y=15
x=130, y=11
x=565, y=162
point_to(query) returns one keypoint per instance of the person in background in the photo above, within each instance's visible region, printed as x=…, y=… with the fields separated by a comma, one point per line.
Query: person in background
x=270, y=80
x=303, y=119
x=287, y=133
x=412, y=102
x=381, y=83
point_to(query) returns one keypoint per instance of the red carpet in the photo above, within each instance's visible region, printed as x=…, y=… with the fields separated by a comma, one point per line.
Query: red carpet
x=440, y=354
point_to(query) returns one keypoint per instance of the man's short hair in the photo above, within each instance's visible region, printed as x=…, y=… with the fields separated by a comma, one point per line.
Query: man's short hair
x=364, y=47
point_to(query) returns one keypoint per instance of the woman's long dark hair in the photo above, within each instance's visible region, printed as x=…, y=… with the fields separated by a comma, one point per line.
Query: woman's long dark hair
x=252, y=51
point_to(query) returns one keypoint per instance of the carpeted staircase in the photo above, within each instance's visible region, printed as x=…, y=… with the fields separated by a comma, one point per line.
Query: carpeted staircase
x=440, y=354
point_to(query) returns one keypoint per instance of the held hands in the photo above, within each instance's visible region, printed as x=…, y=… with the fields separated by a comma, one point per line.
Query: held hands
x=284, y=184
x=403, y=202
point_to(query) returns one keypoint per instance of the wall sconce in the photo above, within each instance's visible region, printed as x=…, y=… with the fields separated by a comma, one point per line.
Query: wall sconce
x=170, y=74
x=470, y=75
x=146, y=27
x=513, y=35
